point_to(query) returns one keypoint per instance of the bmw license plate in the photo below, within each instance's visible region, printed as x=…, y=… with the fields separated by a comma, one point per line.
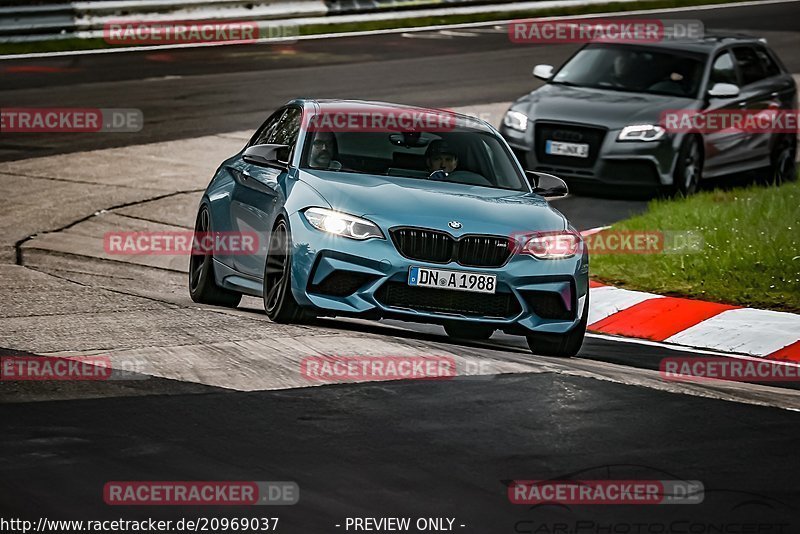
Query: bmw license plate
x=457, y=280
x=576, y=150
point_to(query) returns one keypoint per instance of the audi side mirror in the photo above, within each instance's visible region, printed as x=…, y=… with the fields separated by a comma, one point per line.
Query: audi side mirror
x=724, y=90
x=543, y=72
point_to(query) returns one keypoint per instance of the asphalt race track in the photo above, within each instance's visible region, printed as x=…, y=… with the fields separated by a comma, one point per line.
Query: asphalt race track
x=218, y=397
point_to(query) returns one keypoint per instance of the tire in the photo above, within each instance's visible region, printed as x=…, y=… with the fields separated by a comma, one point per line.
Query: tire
x=689, y=168
x=561, y=345
x=203, y=287
x=462, y=330
x=783, y=167
x=279, y=303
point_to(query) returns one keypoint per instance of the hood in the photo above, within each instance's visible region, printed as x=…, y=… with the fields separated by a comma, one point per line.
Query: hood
x=612, y=109
x=396, y=201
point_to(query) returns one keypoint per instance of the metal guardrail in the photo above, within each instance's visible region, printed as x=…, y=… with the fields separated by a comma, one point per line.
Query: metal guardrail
x=43, y=20
x=62, y=20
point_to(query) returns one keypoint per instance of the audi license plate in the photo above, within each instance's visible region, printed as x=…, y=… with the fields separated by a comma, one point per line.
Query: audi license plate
x=576, y=150
x=457, y=280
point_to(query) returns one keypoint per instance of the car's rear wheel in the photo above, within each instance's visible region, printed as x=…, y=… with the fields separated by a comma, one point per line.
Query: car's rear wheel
x=783, y=167
x=203, y=287
x=561, y=345
x=279, y=303
x=689, y=168
x=461, y=330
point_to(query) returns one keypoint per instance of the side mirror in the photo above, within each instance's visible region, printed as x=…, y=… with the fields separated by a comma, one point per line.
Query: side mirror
x=543, y=72
x=267, y=155
x=724, y=90
x=547, y=185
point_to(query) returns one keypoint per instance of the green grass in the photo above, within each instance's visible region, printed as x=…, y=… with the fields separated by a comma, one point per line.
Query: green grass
x=70, y=44
x=750, y=253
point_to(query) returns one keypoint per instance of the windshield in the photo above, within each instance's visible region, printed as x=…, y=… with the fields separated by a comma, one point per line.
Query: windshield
x=635, y=69
x=462, y=155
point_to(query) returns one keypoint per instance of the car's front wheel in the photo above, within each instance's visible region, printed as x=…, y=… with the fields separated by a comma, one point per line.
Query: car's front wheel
x=561, y=345
x=689, y=167
x=202, y=286
x=471, y=331
x=279, y=303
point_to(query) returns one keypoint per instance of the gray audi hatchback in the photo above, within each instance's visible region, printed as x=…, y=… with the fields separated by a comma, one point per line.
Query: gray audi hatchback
x=597, y=120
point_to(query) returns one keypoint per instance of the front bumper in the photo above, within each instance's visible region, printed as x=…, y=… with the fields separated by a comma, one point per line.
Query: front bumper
x=340, y=276
x=611, y=163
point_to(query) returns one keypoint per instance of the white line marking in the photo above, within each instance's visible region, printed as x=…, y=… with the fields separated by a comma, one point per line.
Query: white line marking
x=389, y=31
x=744, y=330
x=458, y=34
x=426, y=35
x=162, y=78
x=490, y=30
x=609, y=300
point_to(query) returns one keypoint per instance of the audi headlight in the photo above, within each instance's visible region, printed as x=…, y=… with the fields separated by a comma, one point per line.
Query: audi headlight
x=641, y=132
x=551, y=246
x=516, y=120
x=335, y=222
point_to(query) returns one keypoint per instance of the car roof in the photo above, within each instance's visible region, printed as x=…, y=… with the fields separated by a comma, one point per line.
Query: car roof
x=353, y=106
x=704, y=45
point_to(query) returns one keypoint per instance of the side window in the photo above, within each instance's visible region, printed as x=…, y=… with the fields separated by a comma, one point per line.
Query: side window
x=723, y=70
x=770, y=67
x=267, y=131
x=750, y=66
x=287, y=129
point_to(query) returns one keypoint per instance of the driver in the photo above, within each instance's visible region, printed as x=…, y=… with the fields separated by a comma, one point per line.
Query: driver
x=324, y=151
x=440, y=156
x=624, y=65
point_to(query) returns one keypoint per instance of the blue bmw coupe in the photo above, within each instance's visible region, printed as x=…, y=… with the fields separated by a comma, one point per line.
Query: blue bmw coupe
x=378, y=210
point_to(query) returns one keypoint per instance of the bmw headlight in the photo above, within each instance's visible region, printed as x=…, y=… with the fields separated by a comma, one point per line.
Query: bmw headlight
x=641, y=132
x=335, y=222
x=550, y=245
x=516, y=120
